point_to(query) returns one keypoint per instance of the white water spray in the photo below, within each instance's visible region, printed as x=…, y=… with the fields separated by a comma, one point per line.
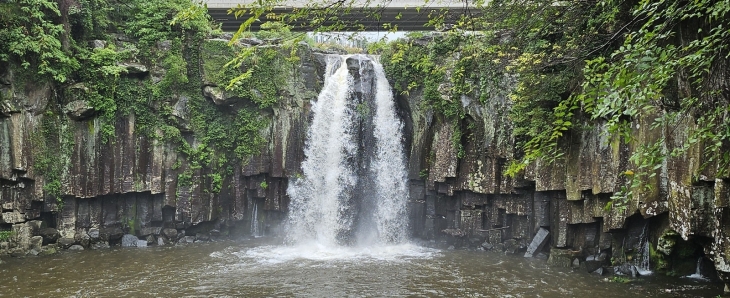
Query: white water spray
x=314, y=212
x=390, y=166
x=698, y=272
x=643, y=264
x=323, y=210
x=255, y=221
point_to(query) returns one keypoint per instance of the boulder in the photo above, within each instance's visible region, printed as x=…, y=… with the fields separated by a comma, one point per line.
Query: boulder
x=48, y=250
x=141, y=243
x=182, y=112
x=93, y=233
x=217, y=95
x=511, y=246
x=107, y=234
x=12, y=217
x=186, y=239
x=164, y=45
x=560, y=258
x=76, y=247
x=134, y=68
x=202, y=237
x=83, y=239
x=18, y=253
x=50, y=235
x=79, y=110
x=598, y=271
x=591, y=266
x=36, y=242
x=36, y=226
x=97, y=44
x=626, y=269
x=150, y=231
x=129, y=240
x=170, y=233
x=100, y=245
x=65, y=243
x=249, y=41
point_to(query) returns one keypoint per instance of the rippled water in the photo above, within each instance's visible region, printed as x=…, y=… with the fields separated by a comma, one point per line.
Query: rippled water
x=261, y=268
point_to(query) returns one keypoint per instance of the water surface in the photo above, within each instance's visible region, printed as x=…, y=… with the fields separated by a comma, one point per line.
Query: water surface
x=264, y=268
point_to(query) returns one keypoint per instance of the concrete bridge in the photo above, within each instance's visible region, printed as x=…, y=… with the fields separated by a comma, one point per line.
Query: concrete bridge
x=409, y=15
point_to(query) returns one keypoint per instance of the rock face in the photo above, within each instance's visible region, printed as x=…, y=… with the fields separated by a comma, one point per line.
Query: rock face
x=131, y=187
x=459, y=187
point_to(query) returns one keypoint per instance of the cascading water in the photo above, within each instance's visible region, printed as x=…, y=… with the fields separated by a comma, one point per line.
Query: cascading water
x=353, y=189
x=389, y=169
x=349, y=204
x=698, y=271
x=643, y=258
x=255, y=221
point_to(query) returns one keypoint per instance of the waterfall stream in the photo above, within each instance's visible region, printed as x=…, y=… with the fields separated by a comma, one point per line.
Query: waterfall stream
x=352, y=190
x=255, y=232
x=698, y=271
x=643, y=258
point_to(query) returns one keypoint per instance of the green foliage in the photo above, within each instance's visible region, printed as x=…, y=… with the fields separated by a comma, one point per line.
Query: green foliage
x=5, y=235
x=90, y=19
x=658, y=259
x=215, y=55
x=264, y=185
x=257, y=74
x=153, y=21
x=52, y=144
x=101, y=77
x=635, y=82
x=216, y=182
x=609, y=63
x=620, y=279
x=317, y=16
x=31, y=36
x=51, y=39
x=184, y=179
x=271, y=30
x=412, y=65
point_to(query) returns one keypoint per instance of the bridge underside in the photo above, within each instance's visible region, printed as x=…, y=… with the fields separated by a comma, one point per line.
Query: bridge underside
x=406, y=19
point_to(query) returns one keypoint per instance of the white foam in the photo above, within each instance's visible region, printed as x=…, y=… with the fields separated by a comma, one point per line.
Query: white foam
x=317, y=252
x=696, y=276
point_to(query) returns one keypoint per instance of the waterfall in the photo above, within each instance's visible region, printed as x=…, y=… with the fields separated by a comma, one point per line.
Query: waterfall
x=353, y=184
x=698, y=271
x=390, y=165
x=255, y=221
x=643, y=258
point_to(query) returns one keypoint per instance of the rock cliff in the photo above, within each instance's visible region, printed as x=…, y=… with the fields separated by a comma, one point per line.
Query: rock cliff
x=140, y=184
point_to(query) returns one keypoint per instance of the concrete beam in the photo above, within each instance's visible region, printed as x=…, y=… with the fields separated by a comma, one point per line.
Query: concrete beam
x=402, y=13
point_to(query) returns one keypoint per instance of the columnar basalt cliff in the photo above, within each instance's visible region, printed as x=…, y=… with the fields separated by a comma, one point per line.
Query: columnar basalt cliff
x=141, y=184
x=139, y=189
x=461, y=192
x=470, y=200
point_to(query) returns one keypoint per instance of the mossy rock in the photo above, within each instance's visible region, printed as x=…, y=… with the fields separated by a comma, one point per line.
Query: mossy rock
x=215, y=53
